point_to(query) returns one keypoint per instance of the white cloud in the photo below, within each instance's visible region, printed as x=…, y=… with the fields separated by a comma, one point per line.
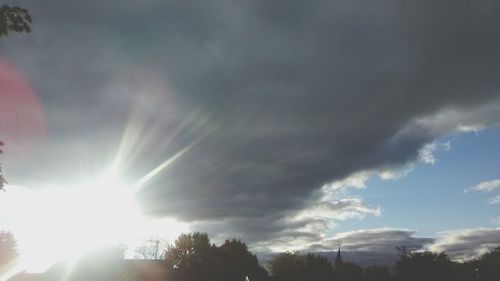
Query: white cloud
x=485, y=186
x=426, y=153
x=456, y=120
x=397, y=173
x=494, y=200
x=357, y=180
x=470, y=128
x=343, y=209
x=465, y=244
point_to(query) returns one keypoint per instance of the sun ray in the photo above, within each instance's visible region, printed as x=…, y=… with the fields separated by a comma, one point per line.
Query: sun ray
x=139, y=183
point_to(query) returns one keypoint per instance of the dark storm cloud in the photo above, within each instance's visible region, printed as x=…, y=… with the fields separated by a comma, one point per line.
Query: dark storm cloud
x=290, y=95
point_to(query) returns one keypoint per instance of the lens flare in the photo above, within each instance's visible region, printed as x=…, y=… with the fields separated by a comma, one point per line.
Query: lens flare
x=22, y=118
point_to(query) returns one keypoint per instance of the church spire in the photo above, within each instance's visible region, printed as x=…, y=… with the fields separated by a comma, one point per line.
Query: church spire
x=338, y=259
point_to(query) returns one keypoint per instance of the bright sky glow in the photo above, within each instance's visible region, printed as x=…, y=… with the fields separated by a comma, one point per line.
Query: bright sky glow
x=56, y=223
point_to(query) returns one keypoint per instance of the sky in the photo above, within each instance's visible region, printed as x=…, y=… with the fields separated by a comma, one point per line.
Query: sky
x=293, y=125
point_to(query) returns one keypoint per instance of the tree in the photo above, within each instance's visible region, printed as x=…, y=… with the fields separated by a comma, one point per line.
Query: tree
x=152, y=249
x=8, y=248
x=424, y=266
x=487, y=266
x=377, y=273
x=14, y=19
x=192, y=257
x=293, y=266
x=317, y=268
x=236, y=262
x=347, y=271
x=287, y=266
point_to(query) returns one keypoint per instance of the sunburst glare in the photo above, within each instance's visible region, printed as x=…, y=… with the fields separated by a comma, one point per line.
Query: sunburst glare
x=57, y=223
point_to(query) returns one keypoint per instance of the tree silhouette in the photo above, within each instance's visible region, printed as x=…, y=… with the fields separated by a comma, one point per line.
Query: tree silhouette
x=487, y=266
x=8, y=248
x=14, y=19
x=237, y=263
x=317, y=268
x=152, y=249
x=377, y=273
x=348, y=271
x=192, y=257
x=294, y=266
x=430, y=266
x=287, y=266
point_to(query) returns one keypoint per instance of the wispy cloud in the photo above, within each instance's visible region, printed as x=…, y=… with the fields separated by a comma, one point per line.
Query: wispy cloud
x=485, y=186
x=426, y=153
x=463, y=244
x=494, y=200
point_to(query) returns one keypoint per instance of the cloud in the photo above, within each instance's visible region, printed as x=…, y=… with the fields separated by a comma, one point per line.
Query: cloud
x=378, y=246
x=494, y=200
x=446, y=145
x=371, y=246
x=394, y=174
x=287, y=97
x=465, y=244
x=377, y=240
x=290, y=231
x=474, y=128
x=485, y=186
x=425, y=154
x=342, y=209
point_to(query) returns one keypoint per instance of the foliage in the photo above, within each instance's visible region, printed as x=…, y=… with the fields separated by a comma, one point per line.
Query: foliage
x=424, y=266
x=317, y=268
x=377, y=273
x=8, y=248
x=192, y=257
x=152, y=249
x=295, y=266
x=14, y=19
x=286, y=266
x=487, y=266
x=236, y=262
x=348, y=271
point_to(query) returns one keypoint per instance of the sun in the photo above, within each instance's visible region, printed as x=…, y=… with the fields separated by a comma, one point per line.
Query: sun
x=63, y=223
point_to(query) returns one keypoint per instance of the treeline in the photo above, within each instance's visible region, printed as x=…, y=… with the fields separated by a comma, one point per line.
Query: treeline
x=192, y=257
x=413, y=266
